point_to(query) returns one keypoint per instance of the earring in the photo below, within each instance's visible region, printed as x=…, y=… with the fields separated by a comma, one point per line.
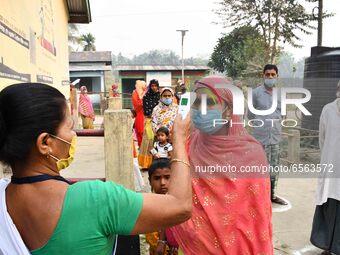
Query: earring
x=48, y=153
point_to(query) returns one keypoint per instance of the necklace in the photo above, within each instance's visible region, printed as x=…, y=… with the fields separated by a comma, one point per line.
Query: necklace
x=37, y=178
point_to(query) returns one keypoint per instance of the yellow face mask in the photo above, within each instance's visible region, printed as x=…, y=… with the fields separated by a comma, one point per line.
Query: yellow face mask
x=63, y=163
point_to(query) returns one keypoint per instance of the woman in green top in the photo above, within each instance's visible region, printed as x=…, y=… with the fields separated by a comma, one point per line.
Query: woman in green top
x=49, y=215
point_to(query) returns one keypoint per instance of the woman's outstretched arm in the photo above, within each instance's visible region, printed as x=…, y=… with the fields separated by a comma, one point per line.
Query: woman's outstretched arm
x=161, y=211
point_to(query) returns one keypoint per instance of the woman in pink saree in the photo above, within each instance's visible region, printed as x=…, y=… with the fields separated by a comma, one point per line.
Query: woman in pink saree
x=86, y=109
x=231, y=211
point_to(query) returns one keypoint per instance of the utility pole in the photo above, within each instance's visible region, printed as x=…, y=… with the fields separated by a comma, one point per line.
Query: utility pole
x=319, y=18
x=183, y=34
x=320, y=11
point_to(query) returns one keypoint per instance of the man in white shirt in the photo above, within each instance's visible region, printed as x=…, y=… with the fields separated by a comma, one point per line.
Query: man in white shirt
x=326, y=222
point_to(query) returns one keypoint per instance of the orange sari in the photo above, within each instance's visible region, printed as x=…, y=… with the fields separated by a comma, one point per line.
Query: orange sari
x=139, y=121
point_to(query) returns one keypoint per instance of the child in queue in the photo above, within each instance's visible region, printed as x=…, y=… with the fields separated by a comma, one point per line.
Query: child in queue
x=162, y=148
x=161, y=242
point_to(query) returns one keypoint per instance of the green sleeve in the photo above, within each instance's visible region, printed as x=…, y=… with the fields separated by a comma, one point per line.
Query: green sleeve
x=119, y=208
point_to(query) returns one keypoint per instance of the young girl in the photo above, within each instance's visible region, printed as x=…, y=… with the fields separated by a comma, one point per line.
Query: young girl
x=161, y=242
x=162, y=148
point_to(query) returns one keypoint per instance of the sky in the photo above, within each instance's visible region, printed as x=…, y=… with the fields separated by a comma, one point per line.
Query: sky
x=133, y=27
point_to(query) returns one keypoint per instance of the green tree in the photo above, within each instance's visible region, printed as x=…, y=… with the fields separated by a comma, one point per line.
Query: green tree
x=289, y=67
x=196, y=61
x=277, y=20
x=157, y=57
x=120, y=59
x=240, y=53
x=73, y=37
x=88, y=41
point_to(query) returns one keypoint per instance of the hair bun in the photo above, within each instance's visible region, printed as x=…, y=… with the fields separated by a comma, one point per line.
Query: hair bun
x=3, y=129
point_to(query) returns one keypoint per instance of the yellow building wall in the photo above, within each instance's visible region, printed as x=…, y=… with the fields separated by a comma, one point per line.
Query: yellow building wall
x=34, y=43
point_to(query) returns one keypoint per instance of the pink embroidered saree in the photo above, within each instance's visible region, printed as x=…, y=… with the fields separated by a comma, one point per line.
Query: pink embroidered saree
x=231, y=215
x=85, y=105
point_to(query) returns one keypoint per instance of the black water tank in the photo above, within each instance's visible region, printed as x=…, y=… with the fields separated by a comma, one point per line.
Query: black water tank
x=322, y=73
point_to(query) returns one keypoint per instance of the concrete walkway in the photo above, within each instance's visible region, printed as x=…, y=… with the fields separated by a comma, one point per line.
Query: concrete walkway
x=292, y=224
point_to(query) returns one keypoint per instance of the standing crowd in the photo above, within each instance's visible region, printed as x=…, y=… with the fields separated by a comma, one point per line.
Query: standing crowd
x=190, y=211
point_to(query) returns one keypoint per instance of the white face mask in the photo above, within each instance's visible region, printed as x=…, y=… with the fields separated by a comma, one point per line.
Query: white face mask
x=167, y=101
x=270, y=83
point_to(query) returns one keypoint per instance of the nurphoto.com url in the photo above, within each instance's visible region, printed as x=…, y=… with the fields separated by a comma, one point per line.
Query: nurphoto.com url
x=258, y=171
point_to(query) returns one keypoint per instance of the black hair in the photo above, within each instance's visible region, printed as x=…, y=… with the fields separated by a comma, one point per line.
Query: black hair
x=133, y=112
x=26, y=111
x=158, y=164
x=163, y=130
x=270, y=67
x=154, y=81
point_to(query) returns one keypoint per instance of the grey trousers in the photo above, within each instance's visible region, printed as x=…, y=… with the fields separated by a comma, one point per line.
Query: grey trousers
x=273, y=157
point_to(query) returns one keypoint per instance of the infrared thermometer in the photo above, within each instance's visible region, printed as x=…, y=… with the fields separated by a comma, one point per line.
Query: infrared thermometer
x=187, y=99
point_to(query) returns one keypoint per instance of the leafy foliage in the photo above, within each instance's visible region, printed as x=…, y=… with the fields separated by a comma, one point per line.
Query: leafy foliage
x=289, y=67
x=156, y=57
x=276, y=20
x=73, y=37
x=88, y=41
x=241, y=53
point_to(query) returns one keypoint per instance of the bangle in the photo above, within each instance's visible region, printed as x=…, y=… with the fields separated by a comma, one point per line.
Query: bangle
x=179, y=160
x=162, y=241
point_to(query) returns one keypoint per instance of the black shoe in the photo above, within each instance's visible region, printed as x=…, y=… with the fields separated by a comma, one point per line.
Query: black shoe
x=279, y=201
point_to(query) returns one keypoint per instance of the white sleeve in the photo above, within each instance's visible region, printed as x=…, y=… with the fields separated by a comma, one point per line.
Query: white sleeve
x=322, y=128
x=170, y=147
